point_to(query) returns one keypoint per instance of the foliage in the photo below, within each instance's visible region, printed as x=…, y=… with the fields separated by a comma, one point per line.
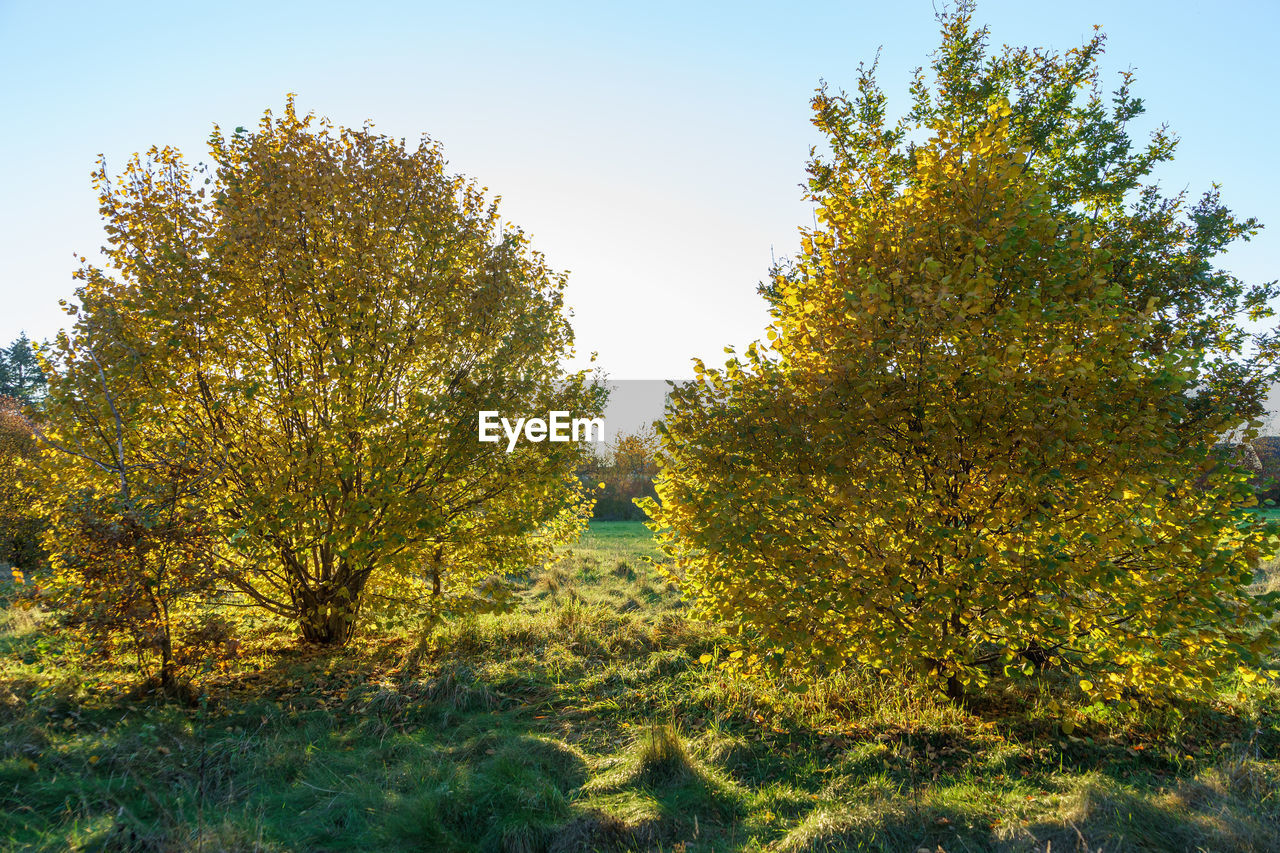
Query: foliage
x=20, y=524
x=962, y=448
x=316, y=320
x=1078, y=143
x=1265, y=470
x=623, y=473
x=129, y=534
x=20, y=373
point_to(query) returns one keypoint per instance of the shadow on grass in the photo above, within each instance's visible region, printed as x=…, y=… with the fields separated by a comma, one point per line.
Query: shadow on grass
x=514, y=796
x=1096, y=814
x=510, y=734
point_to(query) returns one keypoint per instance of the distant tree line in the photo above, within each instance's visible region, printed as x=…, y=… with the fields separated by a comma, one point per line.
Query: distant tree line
x=621, y=473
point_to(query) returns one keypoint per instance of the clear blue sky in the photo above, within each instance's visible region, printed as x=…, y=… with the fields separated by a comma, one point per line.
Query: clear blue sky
x=653, y=149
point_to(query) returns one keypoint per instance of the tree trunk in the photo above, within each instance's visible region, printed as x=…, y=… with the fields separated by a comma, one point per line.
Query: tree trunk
x=167, y=679
x=437, y=559
x=327, y=612
x=332, y=629
x=952, y=688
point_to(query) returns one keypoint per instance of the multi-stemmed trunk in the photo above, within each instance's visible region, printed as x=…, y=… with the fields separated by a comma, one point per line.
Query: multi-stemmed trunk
x=328, y=624
x=327, y=609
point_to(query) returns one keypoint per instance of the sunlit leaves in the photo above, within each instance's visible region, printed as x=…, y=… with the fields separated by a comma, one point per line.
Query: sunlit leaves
x=960, y=450
x=318, y=316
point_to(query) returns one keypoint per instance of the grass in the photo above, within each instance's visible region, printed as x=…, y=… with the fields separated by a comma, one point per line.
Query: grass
x=584, y=721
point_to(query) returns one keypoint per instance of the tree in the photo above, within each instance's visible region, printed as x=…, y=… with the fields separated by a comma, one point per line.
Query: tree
x=128, y=531
x=624, y=472
x=22, y=388
x=20, y=524
x=1263, y=462
x=972, y=440
x=318, y=319
x=20, y=374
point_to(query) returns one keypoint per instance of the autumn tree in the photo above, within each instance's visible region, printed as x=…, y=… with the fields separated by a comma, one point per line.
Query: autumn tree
x=1264, y=468
x=22, y=390
x=320, y=315
x=129, y=533
x=20, y=522
x=623, y=472
x=978, y=435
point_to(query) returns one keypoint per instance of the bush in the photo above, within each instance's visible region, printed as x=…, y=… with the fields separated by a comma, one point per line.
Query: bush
x=972, y=442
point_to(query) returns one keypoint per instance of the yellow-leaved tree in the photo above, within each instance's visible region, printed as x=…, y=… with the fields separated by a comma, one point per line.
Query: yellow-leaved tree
x=315, y=321
x=19, y=521
x=957, y=452
x=129, y=533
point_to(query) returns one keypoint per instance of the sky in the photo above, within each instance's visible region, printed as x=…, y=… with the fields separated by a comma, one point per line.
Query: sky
x=656, y=151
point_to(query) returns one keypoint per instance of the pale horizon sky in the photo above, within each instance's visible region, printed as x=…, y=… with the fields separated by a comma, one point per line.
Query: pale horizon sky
x=656, y=152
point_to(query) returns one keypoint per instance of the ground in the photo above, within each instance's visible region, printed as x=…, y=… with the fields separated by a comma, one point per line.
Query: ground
x=588, y=720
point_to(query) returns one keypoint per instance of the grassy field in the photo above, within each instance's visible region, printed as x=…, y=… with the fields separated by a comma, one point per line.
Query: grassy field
x=585, y=721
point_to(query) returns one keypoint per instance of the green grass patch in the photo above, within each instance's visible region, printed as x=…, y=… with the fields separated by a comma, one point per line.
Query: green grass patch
x=584, y=721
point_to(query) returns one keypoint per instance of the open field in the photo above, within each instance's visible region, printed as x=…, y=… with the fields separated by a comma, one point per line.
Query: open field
x=585, y=721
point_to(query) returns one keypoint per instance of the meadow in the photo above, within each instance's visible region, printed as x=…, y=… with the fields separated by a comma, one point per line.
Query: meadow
x=590, y=719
